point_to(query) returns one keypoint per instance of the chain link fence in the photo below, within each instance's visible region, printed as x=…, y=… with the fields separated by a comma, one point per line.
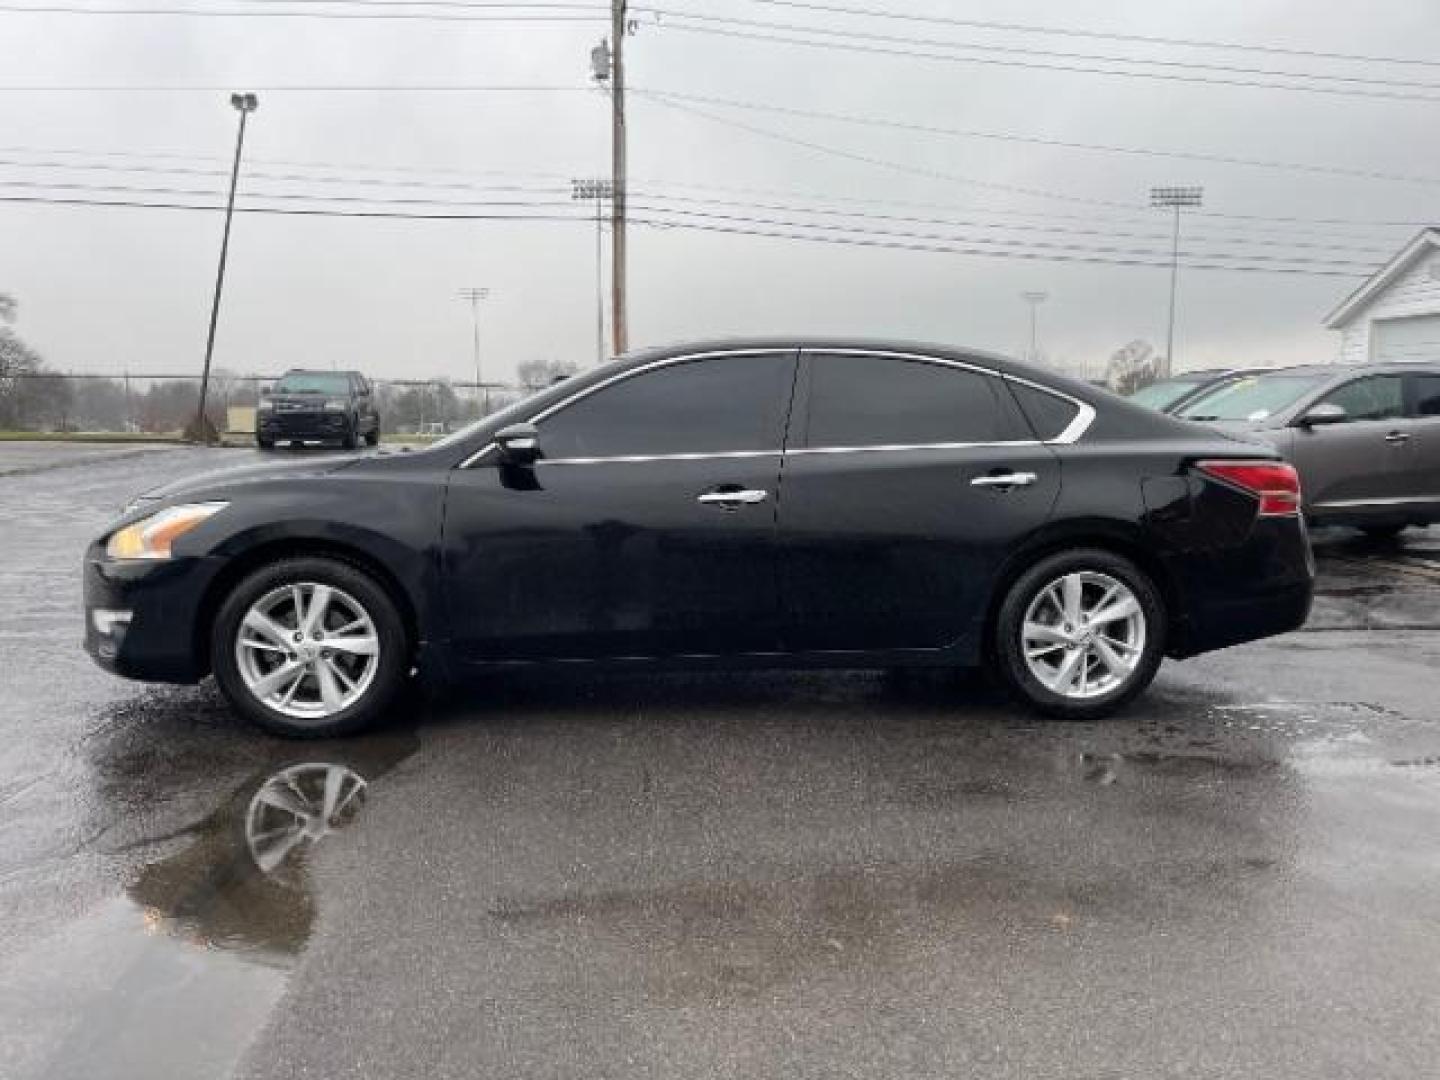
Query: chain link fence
x=162, y=406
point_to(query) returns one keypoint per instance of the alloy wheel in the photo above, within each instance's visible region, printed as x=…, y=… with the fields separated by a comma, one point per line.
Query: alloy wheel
x=307, y=650
x=1083, y=635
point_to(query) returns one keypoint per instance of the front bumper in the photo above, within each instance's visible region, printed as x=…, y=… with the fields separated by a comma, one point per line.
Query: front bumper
x=308, y=425
x=142, y=619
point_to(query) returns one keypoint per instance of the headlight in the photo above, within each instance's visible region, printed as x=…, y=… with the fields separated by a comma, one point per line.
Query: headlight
x=266, y=405
x=335, y=404
x=152, y=537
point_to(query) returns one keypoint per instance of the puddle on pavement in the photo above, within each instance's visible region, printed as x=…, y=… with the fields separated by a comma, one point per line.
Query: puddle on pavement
x=202, y=940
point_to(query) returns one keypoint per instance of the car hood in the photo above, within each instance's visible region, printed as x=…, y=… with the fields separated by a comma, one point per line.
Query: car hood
x=202, y=484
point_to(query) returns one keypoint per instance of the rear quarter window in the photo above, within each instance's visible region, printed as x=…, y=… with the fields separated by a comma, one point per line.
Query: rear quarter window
x=1048, y=414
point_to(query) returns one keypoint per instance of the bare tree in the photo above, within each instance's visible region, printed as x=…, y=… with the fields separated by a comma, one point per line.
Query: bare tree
x=1132, y=368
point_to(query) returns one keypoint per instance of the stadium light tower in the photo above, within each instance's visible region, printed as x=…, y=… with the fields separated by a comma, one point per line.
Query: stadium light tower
x=600, y=191
x=1034, y=300
x=1176, y=199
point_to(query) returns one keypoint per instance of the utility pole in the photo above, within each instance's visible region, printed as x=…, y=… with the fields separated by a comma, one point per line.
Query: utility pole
x=475, y=295
x=1174, y=198
x=599, y=190
x=245, y=104
x=1034, y=300
x=619, y=324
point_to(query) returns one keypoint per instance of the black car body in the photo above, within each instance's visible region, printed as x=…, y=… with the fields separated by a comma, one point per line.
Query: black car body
x=789, y=503
x=312, y=407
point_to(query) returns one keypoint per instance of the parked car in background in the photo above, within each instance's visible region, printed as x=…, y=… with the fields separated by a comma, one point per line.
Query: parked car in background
x=940, y=508
x=312, y=407
x=1366, y=440
x=1172, y=394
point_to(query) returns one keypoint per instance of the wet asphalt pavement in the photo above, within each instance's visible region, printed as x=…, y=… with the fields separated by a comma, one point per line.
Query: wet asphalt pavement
x=814, y=875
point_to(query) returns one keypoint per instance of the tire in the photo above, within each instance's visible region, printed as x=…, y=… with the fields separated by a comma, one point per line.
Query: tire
x=372, y=437
x=1030, y=595
x=264, y=443
x=1382, y=532
x=350, y=439
x=310, y=711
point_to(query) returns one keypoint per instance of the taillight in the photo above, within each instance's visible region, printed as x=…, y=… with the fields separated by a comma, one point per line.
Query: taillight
x=1274, y=483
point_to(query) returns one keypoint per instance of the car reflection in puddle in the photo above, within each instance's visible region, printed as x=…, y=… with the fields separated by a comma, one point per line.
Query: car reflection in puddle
x=243, y=883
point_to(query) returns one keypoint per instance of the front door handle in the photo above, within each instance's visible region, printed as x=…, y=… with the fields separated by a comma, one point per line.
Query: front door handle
x=1005, y=480
x=732, y=499
x=1398, y=437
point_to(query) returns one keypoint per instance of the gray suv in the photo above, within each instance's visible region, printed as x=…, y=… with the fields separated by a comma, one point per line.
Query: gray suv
x=1366, y=439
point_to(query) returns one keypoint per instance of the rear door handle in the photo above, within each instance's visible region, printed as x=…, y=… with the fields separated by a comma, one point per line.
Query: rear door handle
x=733, y=498
x=1005, y=480
x=1398, y=437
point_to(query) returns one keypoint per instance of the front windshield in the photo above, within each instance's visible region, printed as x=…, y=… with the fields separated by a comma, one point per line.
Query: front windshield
x=1162, y=394
x=313, y=382
x=1257, y=397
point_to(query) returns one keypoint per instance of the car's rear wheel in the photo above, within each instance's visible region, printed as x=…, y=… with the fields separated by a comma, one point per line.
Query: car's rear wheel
x=351, y=437
x=310, y=647
x=1080, y=633
x=264, y=443
x=372, y=437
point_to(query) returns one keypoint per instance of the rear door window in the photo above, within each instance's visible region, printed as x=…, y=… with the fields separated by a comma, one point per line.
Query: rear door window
x=868, y=400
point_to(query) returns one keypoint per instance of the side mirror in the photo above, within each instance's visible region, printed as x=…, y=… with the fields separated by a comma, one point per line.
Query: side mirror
x=1327, y=412
x=519, y=444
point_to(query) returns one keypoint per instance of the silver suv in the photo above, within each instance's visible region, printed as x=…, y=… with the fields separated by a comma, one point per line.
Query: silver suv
x=1366, y=440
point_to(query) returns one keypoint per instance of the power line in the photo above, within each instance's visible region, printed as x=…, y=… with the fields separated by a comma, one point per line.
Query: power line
x=746, y=225
x=655, y=202
x=649, y=197
x=1146, y=39
x=917, y=54
x=931, y=129
x=932, y=174
x=1026, y=50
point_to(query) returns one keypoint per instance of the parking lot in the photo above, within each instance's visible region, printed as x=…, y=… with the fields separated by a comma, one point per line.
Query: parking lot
x=760, y=875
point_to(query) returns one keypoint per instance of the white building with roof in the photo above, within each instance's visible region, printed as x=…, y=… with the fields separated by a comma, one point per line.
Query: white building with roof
x=1395, y=315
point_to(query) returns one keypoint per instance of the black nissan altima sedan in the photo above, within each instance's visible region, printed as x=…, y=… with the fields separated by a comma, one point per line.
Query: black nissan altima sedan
x=781, y=502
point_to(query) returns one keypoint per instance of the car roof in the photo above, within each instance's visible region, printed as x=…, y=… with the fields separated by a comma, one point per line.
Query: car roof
x=319, y=371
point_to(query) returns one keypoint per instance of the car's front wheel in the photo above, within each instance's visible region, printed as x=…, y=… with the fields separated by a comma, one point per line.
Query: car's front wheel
x=310, y=647
x=1080, y=633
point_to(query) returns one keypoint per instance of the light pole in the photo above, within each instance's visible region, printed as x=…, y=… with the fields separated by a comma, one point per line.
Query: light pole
x=245, y=104
x=1174, y=198
x=475, y=295
x=599, y=190
x=1034, y=300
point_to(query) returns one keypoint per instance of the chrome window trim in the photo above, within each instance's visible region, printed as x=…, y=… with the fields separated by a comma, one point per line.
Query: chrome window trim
x=630, y=459
x=621, y=376
x=1084, y=416
x=911, y=446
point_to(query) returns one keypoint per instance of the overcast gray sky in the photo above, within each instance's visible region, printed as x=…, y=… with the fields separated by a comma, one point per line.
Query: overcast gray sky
x=104, y=289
